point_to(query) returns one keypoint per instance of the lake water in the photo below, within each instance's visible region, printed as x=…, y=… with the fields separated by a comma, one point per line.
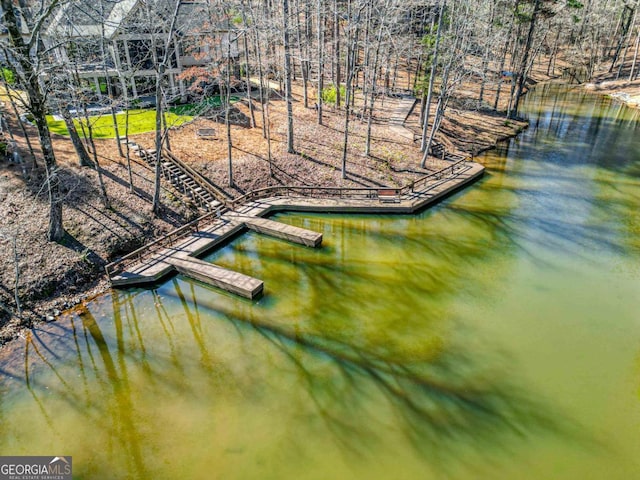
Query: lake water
x=495, y=335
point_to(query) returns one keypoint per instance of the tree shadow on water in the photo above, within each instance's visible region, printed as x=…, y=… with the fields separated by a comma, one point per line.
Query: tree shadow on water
x=444, y=404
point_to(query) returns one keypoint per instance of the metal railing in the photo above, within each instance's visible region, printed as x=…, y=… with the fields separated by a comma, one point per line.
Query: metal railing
x=439, y=175
x=363, y=193
x=197, y=177
x=359, y=193
x=171, y=238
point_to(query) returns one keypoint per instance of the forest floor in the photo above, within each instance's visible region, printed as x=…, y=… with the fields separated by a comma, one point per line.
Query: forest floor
x=53, y=277
x=616, y=83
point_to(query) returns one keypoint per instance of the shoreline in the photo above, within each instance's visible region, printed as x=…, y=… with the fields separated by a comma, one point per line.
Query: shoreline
x=490, y=130
x=49, y=309
x=623, y=91
x=159, y=265
x=56, y=306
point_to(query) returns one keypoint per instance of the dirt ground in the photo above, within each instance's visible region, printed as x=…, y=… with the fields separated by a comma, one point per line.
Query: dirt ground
x=621, y=90
x=616, y=83
x=53, y=277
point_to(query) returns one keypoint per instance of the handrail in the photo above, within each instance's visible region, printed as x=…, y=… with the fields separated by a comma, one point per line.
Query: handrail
x=200, y=179
x=363, y=192
x=155, y=245
x=280, y=190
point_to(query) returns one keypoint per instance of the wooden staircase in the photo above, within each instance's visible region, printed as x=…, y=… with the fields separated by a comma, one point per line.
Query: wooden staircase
x=206, y=196
x=438, y=150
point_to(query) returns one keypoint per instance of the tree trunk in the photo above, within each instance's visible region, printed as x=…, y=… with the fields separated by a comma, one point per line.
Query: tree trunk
x=268, y=125
x=626, y=46
x=247, y=75
x=227, y=113
x=623, y=35
x=83, y=156
x=320, y=61
x=37, y=108
x=14, y=108
x=347, y=103
x=96, y=161
x=16, y=283
x=304, y=61
x=287, y=75
x=127, y=149
x=503, y=62
x=160, y=69
x=258, y=50
x=443, y=99
x=155, y=207
x=551, y=67
x=485, y=56
x=373, y=82
x=336, y=52
x=635, y=56
x=103, y=53
x=522, y=74
x=432, y=75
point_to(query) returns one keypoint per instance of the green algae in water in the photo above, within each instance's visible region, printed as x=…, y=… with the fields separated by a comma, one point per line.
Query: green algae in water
x=495, y=335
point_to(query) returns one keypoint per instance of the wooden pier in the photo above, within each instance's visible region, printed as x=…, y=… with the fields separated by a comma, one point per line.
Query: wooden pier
x=211, y=274
x=181, y=255
x=284, y=231
x=178, y=251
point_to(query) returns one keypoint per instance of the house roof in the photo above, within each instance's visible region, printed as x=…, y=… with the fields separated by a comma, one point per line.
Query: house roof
x=84, y=19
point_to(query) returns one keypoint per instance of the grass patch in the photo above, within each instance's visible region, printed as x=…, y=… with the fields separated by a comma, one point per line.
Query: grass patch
x=140, y=121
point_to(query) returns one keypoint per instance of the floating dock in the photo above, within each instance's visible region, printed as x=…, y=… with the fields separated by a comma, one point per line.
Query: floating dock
x=180, y=254
x=283, y=231
x=220, y=277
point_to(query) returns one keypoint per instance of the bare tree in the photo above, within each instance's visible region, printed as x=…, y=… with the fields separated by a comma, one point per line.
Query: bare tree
x=522, y=72
x=160, y=70
x=14, y=107
x=352, y=33
x=432, y=75
x=26, y=55
x=320, y=46
x=287, y=74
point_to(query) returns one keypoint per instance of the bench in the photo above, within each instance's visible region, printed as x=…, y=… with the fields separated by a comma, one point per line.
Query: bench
x=389, y=195
x=206, y=133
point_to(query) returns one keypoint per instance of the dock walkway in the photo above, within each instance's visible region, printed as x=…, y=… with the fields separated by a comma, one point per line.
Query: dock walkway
x=150, y=266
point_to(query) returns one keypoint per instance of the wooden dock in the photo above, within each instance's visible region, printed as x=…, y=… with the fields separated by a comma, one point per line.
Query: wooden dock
x=211, y=274
x=182, y=256
x=178, y=251
x=283, y=231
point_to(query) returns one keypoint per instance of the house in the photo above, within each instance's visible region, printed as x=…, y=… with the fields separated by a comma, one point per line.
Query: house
x=116, y=46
